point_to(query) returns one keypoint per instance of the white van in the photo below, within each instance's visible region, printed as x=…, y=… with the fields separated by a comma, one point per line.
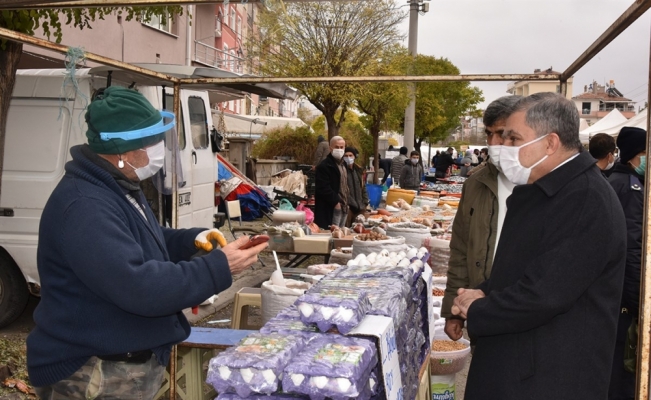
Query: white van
x=46, y=118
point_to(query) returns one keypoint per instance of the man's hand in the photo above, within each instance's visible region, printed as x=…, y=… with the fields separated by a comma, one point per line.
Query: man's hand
x=454, y=328
x=465, y=297
x=202, y=241
x=239, y=260
x=338, y=206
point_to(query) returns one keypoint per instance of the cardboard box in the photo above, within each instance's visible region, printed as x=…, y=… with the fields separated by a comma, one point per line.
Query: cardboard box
x=312, y=244
x=382, y=331
x=346, y=241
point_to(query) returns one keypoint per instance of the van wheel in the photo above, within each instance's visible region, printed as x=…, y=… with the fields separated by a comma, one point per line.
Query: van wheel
x=13, y=291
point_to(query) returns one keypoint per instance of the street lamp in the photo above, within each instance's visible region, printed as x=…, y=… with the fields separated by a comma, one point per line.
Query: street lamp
x=257, y=122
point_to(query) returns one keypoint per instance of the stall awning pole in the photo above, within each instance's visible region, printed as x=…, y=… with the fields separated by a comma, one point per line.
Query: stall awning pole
x=644, y=323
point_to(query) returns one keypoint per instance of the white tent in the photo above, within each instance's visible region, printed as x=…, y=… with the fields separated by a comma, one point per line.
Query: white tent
x=638, y=121
x=611, y=119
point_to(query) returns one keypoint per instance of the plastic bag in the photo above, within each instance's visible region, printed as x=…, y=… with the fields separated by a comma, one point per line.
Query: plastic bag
x=309, y=214
x=285, y=205
x=337, y=367
x=276, y=298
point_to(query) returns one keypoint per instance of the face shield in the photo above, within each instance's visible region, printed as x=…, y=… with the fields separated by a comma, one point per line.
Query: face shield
x=172, y=165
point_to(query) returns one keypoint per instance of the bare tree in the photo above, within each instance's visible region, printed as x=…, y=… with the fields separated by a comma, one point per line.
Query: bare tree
x=325, y=39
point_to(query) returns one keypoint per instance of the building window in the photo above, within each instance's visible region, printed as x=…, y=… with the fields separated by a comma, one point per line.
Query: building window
x=161, y=22
x=238, y=27
x=231, y=22
x=231, y=105
x=585, y=108
x=233, y=61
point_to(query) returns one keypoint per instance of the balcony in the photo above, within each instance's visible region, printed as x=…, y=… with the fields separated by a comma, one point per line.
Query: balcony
x=217, y=58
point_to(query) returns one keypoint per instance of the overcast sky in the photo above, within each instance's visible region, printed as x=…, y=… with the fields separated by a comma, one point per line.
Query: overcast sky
x=518, y=36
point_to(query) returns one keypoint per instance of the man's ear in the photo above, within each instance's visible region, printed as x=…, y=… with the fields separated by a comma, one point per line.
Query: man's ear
x=553, y=143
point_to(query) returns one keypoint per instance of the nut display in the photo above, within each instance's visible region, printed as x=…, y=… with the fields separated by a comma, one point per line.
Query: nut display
x=373, y=236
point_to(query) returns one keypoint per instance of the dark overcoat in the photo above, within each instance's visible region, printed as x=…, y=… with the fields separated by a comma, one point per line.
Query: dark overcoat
x=546, y=328
x=326, y=191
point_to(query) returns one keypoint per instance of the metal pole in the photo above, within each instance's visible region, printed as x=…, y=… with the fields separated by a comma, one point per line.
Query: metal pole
x=175, y=186
x=410, y=112
x=644, y=320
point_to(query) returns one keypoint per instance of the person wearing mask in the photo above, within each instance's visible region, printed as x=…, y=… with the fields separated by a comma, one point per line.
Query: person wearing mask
x=331, y=187
x=558, y=268
x=357, y=196
x=627, y=179
x=322, y=151
x=444, y=163
x=412, y=172
x=385, y=165
x=602, y=148
x=397, y=164
x=483, y=155
x=466, y=164
x=475, y=157
x=114, y=282
x=480, y=216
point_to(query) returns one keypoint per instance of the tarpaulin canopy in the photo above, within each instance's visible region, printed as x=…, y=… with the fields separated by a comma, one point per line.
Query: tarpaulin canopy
x=256, y=125
x=638, y=121
x=611, y=119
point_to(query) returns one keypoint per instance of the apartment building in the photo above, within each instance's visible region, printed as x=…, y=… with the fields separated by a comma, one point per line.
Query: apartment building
x=525, y=88
x=597, y=101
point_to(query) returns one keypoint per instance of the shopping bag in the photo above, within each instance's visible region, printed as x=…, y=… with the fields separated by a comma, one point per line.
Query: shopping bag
x=285, y=205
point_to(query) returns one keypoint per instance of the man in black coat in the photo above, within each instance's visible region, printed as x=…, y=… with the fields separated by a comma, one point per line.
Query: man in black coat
x=627, y=179
x=444, y=162
x=331, y=187
x=545, y=321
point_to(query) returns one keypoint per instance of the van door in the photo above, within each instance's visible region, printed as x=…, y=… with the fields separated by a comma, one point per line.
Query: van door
x=196, y=197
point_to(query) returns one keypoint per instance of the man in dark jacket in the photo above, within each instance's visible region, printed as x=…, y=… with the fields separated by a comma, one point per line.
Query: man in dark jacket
x=113, y=281
x=412, y=172
x=444, y=162
x=331, y=187
x=627, y=179
x=558, y=270
x=385, y=165
x=479, y=219
x=357, y=196
x=602, y=148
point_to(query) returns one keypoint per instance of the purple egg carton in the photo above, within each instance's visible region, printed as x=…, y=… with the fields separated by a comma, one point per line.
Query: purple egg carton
x=377, y=271
x=290, y=327
x=333, y=366
x=273, y=396
x=290, y=312
x=255, y=365
x=333, y=307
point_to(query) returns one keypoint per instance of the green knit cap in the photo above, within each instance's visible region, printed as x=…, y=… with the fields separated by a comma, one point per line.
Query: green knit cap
x=119, y=109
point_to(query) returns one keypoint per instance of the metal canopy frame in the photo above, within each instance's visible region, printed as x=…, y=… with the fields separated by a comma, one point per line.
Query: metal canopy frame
x=637, y=9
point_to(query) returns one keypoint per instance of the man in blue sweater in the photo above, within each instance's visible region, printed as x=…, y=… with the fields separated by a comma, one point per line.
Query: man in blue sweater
x=114, y=282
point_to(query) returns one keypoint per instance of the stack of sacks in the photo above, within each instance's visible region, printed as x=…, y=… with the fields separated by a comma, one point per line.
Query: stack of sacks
x=333, y=366
x=255, y=365
x=333, y=307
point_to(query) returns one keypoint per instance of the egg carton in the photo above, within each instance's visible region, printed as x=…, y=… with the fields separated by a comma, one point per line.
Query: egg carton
x=254, y=365
x=273, y=396
x=333, y=366
x=333, y=307
x=290, y=327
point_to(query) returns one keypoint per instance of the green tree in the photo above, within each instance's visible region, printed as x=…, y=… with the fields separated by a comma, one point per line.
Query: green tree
x=324, y=39
x=50, y=21
x=439, y=105
x=384, y=103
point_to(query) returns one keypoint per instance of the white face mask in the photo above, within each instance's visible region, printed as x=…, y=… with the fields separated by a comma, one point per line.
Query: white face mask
x=338, y=153
x=156, y=154
x=509, y=160
x=349, y=160
x=494, y=154
x=610, y=164
x=414, y=161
